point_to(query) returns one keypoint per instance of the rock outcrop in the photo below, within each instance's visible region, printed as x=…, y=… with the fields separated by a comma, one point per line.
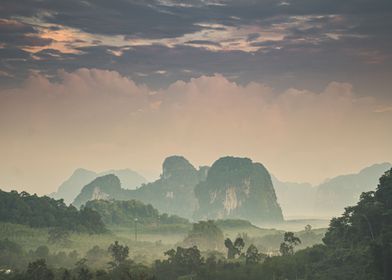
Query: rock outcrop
x=238, y=188
x=104, y=187
x=172, y=193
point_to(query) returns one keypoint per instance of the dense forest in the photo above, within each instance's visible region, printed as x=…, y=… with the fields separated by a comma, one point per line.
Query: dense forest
x=114, y=212
x=35, y=211
x=357, y=245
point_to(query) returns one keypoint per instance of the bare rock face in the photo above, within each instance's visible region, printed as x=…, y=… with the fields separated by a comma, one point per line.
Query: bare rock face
x=237, y=188
x=173, y=192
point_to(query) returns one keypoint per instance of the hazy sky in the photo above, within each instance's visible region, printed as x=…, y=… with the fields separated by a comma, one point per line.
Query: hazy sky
x=302, y=86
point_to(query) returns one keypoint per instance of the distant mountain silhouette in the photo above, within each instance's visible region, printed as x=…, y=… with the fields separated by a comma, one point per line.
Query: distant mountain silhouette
x=296, y=199
x=172, y=193
x=330, y=197
x=337, y=193
x=81, y=177
x=231, y=188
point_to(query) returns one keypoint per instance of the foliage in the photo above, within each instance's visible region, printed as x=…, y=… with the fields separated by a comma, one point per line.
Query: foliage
x=115, y=212
x=252, y=255
x=234, y=249
x=357, y=246
x=118, y=252
x=287, y=246
x=39, y=271
x=206, y=235
x=23, y=208
x=180, y=262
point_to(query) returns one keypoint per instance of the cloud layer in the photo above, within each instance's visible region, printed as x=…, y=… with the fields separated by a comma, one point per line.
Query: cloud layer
x=100, y=119
x=297, y=43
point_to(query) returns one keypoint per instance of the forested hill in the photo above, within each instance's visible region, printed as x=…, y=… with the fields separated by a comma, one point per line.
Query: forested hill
x=123, y=213
x=35, y=211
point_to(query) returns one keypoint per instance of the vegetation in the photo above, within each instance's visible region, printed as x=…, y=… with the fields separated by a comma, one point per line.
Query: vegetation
x=234, y=249
x=124, y=213
x=171, y=193
x=290, y=241
x=205, y=235
x=35, y=211
x=357, y=245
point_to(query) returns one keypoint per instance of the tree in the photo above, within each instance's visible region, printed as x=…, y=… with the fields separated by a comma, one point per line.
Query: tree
x=234, y=249
x=290, y=241
x=66, y=275
x=205, y=235
x=252, y=255
x=239, y=244
x=119, y=253
x=39, y=271
x=187, y=260
x=84, y=274
x=230, y=248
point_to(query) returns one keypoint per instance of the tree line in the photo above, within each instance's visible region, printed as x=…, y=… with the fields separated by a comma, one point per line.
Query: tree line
x=40, y=212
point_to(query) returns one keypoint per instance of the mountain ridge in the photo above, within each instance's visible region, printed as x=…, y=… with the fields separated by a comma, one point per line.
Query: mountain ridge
x=73, y=185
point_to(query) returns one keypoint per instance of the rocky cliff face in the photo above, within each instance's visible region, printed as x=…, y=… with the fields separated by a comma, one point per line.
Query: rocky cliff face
x=237, y=188
x=173, y=192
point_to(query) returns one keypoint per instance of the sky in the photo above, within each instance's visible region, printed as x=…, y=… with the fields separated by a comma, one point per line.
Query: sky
x=302, y=86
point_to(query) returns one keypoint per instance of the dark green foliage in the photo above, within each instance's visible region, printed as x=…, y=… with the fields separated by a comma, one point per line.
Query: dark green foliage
x=252, y=255
x=10, y=253
x=118, y=252
x=234, y=249
x=357, y=246
x=23, y=208
x=288, y=244
x=364, y=232
x=180, y=262
x=84, y=274
x=124, y=213
x=39, y=271
x=205, y=235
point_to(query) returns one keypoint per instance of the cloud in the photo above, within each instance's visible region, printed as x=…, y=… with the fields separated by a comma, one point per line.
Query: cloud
x=99, y=119
x=304, y=44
